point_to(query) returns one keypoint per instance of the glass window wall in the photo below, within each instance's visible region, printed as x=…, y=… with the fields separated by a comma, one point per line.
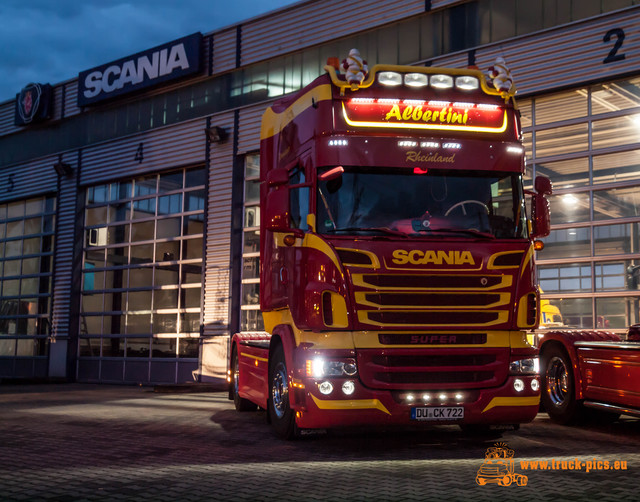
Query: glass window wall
x=592, y=155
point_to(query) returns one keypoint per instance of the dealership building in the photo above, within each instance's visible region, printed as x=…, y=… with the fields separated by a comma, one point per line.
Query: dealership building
x=129, y=203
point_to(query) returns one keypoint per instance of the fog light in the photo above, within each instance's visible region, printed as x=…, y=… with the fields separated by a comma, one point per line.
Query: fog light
x=518, y=385
x=535, y=385
x=348, y=387
x=325, y=388
x=410, y=398
x=459, y=397
x=426, y=398
x=442, y=397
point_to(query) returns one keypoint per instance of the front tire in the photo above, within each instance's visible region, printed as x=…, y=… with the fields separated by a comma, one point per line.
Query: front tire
x=281, y=415
x=558, y=386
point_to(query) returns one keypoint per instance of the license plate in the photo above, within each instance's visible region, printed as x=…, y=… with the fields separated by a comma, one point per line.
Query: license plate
x=434, y=413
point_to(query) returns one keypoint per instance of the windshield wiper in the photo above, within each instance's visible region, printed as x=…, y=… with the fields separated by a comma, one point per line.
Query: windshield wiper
x=383, y=230
x=472, y=231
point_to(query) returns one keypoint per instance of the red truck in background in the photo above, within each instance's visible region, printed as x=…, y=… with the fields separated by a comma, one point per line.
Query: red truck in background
x=589, y=374
x=397, y=278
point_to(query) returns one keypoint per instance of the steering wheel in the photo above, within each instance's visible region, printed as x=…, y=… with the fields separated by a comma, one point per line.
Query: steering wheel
x=468, y=201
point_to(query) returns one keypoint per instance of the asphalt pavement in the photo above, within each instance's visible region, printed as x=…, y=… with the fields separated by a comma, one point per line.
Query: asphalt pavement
x=72, y=442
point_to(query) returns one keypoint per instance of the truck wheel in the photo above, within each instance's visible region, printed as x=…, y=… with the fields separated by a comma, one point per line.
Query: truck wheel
x=558, y=386
x=281, y=415
x=240, y=403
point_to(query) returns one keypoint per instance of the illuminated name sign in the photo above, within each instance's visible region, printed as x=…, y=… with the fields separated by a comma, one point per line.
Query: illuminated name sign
x=418, y=114
x=164, y=63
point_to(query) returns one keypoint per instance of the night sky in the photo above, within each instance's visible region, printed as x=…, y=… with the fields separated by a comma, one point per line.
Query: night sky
x=51, y=41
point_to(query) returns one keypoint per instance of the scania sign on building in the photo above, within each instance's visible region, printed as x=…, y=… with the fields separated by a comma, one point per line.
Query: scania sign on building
x=166, y=62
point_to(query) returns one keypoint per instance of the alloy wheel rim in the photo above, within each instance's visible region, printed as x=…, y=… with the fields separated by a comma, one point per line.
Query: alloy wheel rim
x=557, y=381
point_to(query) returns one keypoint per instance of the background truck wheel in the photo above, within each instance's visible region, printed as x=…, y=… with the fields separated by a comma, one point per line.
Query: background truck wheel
x=558, y=386
x=240, y=403
x=281, y=415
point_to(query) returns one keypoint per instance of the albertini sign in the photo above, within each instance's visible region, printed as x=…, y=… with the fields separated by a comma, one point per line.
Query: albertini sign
x=164, y=63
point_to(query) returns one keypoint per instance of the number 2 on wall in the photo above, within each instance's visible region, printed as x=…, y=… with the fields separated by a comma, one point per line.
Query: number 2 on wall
x=613, y=56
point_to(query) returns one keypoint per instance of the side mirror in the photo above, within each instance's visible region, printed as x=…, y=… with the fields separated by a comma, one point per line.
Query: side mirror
x=276, y=209
x=540, y=214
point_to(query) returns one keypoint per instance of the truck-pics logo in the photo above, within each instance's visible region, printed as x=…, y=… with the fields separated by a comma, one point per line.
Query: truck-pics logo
x=417, y=257
x=498, y=467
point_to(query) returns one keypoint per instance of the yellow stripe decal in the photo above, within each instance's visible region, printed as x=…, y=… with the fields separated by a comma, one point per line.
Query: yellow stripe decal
x=273, y=123
x=513, y=401
x=251, y=356
x=350, y=404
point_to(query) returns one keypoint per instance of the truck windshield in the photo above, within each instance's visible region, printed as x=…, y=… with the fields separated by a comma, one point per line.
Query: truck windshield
x=374, y=201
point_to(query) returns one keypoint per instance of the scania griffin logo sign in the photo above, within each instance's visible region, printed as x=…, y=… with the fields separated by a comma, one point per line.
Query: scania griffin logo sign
x=432, y=257
x=33, y=104
x=160, y=64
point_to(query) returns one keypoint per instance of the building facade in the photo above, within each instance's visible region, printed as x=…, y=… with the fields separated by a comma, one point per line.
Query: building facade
x=129, y=195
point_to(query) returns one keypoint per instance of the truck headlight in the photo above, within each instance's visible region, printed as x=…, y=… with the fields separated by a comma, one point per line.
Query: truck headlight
x=529, y=366
x=320, y=367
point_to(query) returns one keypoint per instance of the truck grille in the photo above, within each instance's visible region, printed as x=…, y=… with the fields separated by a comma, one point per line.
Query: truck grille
x=463, y=300
x=433, y=368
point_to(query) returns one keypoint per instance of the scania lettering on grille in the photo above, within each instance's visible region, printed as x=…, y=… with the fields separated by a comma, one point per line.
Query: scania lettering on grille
x=432, y=257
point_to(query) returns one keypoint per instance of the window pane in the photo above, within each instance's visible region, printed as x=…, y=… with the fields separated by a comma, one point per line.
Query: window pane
x=616, y=275
x=566, y=173
x=561, y=140
x=621, y=166
x=616, y=239
x=576, y=312
x=616, y=203
x=615, y=131
x=616, y=313
x=251, y=268
x=163, y=347
x=566, y=243
x=569, y=208
x=251, y=241
x=561, y=106
x=251, y=320
x=614, y=96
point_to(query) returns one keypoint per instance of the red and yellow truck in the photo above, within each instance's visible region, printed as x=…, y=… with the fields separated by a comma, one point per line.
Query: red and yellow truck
x=397, y=278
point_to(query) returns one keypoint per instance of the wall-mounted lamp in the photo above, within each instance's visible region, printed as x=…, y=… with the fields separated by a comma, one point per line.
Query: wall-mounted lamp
x=63, y=169
x=216, y=134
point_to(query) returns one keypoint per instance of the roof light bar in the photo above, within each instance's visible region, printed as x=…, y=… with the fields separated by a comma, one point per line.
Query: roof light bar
x=467, y=83
x=390, y=78
x=416, y=80
x=441, y=81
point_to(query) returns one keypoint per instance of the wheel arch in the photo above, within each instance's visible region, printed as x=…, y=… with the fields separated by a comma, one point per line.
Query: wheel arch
x=565, y=344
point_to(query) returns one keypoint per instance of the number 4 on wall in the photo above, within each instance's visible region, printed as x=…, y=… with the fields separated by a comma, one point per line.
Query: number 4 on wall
x=139, y=156
x=613, y=56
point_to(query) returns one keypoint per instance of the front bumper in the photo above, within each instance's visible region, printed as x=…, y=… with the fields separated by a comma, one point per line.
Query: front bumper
x=492, y=406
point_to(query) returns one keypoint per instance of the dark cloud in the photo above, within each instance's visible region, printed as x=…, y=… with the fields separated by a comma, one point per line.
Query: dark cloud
x=52, y=41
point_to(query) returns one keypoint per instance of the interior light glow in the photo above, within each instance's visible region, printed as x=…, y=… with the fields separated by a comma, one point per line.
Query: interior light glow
x=441, y=81
x=389, y=78
x=569, y=199
x=416, y=80
x=467, y=83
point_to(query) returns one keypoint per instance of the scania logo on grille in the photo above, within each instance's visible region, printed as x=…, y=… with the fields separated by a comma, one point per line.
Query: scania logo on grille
x=432, y=257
